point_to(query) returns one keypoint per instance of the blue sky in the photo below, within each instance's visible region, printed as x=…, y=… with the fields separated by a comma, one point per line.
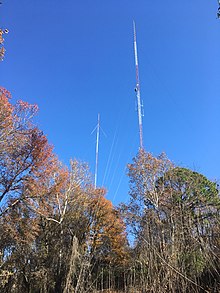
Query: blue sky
x=75, y=59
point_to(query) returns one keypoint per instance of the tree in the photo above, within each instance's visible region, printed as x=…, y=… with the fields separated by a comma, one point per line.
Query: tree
x=192, y=206
x=174, y=215
x=102, y=243
x=26, y=158
x=29, y=175
x=143, y=174
x=59, y=232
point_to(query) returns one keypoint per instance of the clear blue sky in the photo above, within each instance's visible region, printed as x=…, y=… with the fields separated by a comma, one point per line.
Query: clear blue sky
x=75, y=59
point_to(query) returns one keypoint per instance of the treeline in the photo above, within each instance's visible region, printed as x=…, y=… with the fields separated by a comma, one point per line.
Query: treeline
x=174, y=215
x=60, y=234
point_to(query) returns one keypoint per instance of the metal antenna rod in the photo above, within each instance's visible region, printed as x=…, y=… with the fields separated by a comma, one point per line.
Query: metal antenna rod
x=97, y=150
x=137, y=89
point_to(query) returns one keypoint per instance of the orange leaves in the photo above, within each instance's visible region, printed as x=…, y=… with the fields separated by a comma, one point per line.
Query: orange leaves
x=107, y=229
x=2, y=32
x=31, y=177
x=41, y=199
x=23, y=114
x=29, y=170
x=5, y=111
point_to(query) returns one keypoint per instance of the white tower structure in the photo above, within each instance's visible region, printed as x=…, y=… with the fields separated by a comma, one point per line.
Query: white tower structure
x=97, y=150
x=137, y=90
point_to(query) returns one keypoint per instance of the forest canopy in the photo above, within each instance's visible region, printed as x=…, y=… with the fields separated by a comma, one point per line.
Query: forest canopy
x=60, y=234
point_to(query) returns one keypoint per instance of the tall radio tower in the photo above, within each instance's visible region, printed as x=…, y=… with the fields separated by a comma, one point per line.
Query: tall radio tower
x=97, y=150
x=137, y=90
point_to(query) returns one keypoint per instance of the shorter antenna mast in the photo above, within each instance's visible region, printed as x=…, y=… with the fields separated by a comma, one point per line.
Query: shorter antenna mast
x=97, y=150
x=137, y=89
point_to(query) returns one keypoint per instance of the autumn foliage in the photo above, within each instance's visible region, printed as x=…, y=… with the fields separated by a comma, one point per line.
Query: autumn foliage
x=61, y=234
x=49, y=213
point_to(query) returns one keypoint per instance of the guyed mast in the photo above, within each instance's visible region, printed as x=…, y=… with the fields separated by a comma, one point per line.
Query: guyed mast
x=137, y=90
x=97, y=150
